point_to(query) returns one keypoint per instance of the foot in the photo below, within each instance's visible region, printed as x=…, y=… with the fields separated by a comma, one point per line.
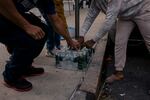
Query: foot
x=32, y=71
x=20, y=84
x=50, y=53
x=118, y=75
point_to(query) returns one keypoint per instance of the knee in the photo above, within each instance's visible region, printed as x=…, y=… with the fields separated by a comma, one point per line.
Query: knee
x=41, y=42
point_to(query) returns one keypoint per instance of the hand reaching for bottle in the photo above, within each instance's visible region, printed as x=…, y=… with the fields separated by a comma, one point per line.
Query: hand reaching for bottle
x=81, y=40
x=89, y=43
x=73, y=44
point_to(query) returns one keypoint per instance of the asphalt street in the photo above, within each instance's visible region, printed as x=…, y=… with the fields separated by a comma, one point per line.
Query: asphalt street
x=137, y=76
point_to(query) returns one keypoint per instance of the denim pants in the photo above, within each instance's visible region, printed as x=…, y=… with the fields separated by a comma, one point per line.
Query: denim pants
x=53, y=40
x=24, y=47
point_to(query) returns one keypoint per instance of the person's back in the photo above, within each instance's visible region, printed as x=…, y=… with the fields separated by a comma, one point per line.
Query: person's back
x=127, y=7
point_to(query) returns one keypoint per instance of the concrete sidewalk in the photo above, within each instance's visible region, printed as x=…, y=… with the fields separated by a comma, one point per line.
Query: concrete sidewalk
x=55, y=84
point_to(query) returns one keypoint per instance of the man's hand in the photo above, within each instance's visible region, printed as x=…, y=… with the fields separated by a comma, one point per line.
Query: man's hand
x=89, y=43
x=35, y=32
x=73, y=44
x=81, y=40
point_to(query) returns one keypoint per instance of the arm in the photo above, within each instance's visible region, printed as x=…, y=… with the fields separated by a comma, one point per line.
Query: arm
x=92, y=14
x=9, y=11
x=59, y=26
x=111, y=16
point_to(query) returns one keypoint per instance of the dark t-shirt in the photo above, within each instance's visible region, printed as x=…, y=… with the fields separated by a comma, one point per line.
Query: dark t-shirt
x=46, y=6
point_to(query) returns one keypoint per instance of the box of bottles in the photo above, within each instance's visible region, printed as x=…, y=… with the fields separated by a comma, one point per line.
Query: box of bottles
x=73, y=60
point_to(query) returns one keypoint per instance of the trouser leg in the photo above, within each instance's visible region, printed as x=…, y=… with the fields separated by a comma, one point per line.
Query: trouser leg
x=50, y=43
x=145, y=31
x=123, y=31
x=25, y=49
x=52, y=40
x=143, y=23
x=57, y=40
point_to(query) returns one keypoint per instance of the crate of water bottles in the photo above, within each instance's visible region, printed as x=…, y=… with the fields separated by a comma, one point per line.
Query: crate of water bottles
x=72, y=59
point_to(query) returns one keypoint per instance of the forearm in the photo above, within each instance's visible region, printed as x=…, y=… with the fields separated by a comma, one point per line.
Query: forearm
x=107, y=25
x=59, y=26
x=103, y=30
x=9, y=11
x=91, y=16
x=111, y=17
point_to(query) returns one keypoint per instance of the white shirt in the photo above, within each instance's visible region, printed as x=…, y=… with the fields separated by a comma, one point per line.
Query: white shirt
x=123, y=9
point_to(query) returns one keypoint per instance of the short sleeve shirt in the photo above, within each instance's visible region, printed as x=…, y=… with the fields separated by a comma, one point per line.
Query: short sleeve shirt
x=47, y=6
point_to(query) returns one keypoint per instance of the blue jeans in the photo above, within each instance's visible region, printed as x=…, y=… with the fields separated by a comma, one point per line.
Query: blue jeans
x=24, y=47
x=53, y=40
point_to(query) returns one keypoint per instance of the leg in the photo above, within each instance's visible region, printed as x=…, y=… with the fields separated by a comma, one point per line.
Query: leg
x=50, y=40
x=144, y=27
x=57, y=40
x=25, y=49
x=123, y=31
x=50, y=44
x=22, y=57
